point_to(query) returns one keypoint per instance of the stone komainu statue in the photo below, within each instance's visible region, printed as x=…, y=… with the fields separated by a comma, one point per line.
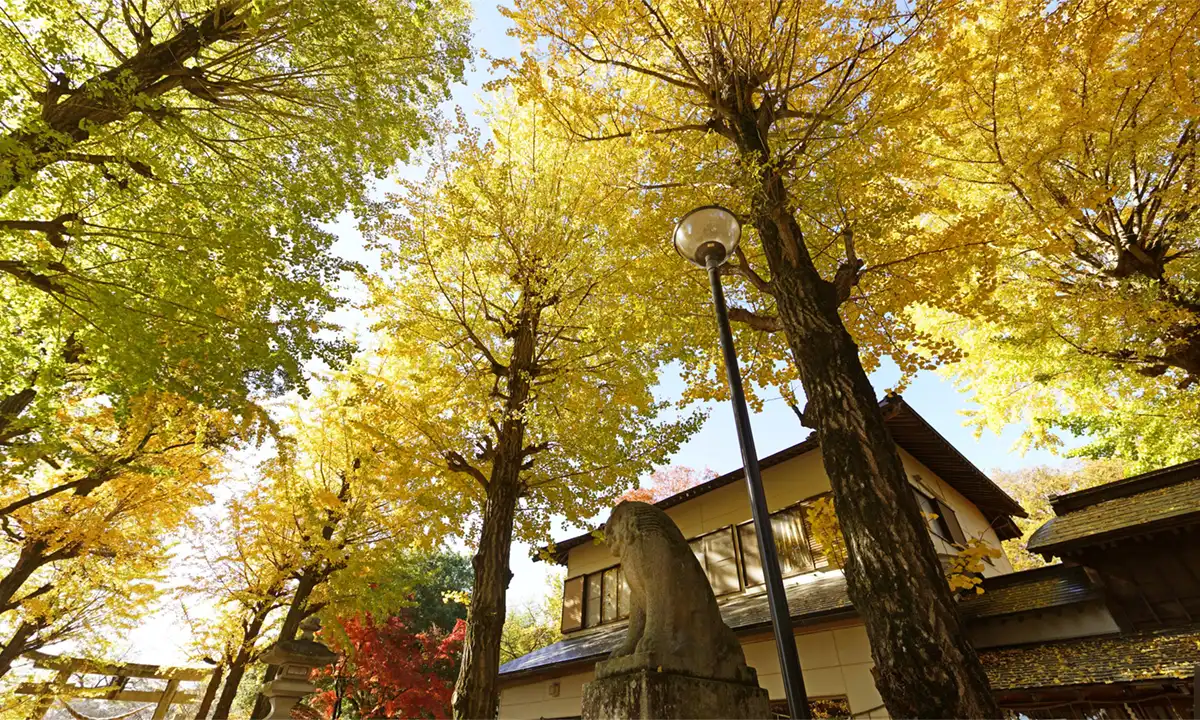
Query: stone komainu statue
x=674, y=622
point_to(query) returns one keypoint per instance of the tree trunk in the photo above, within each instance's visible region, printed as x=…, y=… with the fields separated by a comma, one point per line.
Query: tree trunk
x=475, y=693
x=924, y=665
x=288, y=630
x=210, y=693
x=237, y=666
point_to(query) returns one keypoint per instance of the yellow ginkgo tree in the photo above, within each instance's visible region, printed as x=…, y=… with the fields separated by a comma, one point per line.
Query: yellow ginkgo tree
x=518, y=349
x=802, y=110
x=135, y=478
x=1066, y=137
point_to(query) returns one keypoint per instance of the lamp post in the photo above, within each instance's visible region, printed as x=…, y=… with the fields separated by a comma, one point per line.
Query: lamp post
x=707, y=236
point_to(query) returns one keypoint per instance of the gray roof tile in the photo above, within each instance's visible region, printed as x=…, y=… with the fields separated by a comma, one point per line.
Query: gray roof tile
x=1122, y=513
x=1088, y=661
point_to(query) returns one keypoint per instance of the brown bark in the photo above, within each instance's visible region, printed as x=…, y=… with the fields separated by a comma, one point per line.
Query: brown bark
x=210, y=693
x=18, y=644
x=475, y=693
x=312, y=576
x=33, y=555
x=111, y=96
x=924, y=665
x=241, y=659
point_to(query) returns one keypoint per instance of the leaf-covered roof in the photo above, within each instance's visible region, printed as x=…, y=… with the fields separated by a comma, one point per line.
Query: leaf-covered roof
x=1089, y=661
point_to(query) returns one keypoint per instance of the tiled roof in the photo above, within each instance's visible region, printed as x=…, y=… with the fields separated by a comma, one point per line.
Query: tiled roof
x=1158, y=506
x=807, y=601
x=911, y=432
x=1088, y=661
x=1039, y=589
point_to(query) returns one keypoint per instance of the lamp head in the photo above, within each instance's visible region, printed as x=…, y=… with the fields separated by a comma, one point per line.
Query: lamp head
x=706, y=232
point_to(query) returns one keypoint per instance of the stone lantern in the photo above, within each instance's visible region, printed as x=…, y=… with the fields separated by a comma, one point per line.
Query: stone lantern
x=296, y=659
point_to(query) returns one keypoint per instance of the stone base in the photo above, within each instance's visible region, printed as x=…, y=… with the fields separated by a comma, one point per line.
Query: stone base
x=645, y=694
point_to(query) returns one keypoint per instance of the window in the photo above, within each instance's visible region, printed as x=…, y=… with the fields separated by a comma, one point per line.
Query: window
x=594, y=599
x=572, y=614
x=792, y=542
x=945, y=525
x=716, y=554
x=591, y=603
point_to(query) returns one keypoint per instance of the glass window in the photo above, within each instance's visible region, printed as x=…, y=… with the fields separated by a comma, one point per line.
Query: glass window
x=791, y=542
x=716, y=554
x=612, y=588
x=751, y=560
x=623, y=596
x=937, y=525
x=591, y=605
x=572, y=615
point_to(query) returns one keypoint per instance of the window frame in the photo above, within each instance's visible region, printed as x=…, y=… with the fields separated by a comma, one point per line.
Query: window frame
x=622, y=612
x=737, y=557
x=801, y=504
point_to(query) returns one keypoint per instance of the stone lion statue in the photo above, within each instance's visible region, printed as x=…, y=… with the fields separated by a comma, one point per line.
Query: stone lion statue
x=674, y=622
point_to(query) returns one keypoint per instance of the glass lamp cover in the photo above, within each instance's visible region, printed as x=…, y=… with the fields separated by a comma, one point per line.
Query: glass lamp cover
x=711, y=224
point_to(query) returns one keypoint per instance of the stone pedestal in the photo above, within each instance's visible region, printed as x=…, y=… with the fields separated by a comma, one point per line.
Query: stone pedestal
x=622, y=690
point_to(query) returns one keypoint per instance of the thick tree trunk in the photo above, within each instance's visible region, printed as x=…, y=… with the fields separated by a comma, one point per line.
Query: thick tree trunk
x=475, y=694
x=210, y=693
x=237, y=666
x=296, y=614
x=924, y=665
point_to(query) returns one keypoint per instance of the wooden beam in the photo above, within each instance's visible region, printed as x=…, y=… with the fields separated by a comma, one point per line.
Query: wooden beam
x=52, y=690
x=105, y=667
x=168, y=697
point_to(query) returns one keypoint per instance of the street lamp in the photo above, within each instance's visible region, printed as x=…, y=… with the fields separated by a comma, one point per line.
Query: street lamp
x=707, y=236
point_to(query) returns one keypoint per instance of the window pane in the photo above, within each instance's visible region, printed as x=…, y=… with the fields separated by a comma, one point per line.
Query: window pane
x=790, y=541
x=951, y=522
x=623, y=596
x=721, y=562
x=611, y=588
x=592, y=604
x=751, y=562
x=572, y=616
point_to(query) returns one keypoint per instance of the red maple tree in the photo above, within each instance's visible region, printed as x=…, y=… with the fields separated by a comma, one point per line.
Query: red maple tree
x=665, y=483
x=386, y=671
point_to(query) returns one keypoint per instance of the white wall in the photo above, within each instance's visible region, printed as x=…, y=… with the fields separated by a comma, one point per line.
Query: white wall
x=835, y=661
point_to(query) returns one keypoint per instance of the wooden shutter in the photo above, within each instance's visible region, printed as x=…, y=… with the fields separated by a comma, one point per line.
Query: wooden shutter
x=952, y=524
x=572, y=610
x=622, y=595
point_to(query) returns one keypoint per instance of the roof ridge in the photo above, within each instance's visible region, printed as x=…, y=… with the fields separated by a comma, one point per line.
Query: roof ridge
x=1125, y=487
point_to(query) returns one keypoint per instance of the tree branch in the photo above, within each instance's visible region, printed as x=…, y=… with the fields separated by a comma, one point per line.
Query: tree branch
x=764, y=323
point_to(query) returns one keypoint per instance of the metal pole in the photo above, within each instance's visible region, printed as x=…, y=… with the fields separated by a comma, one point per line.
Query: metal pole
x=781, y=619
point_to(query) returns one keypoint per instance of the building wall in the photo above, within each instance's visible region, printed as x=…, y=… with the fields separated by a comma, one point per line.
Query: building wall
x=1084, y=620
x=836, y=660
x=970, y=517
x=788, y=483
